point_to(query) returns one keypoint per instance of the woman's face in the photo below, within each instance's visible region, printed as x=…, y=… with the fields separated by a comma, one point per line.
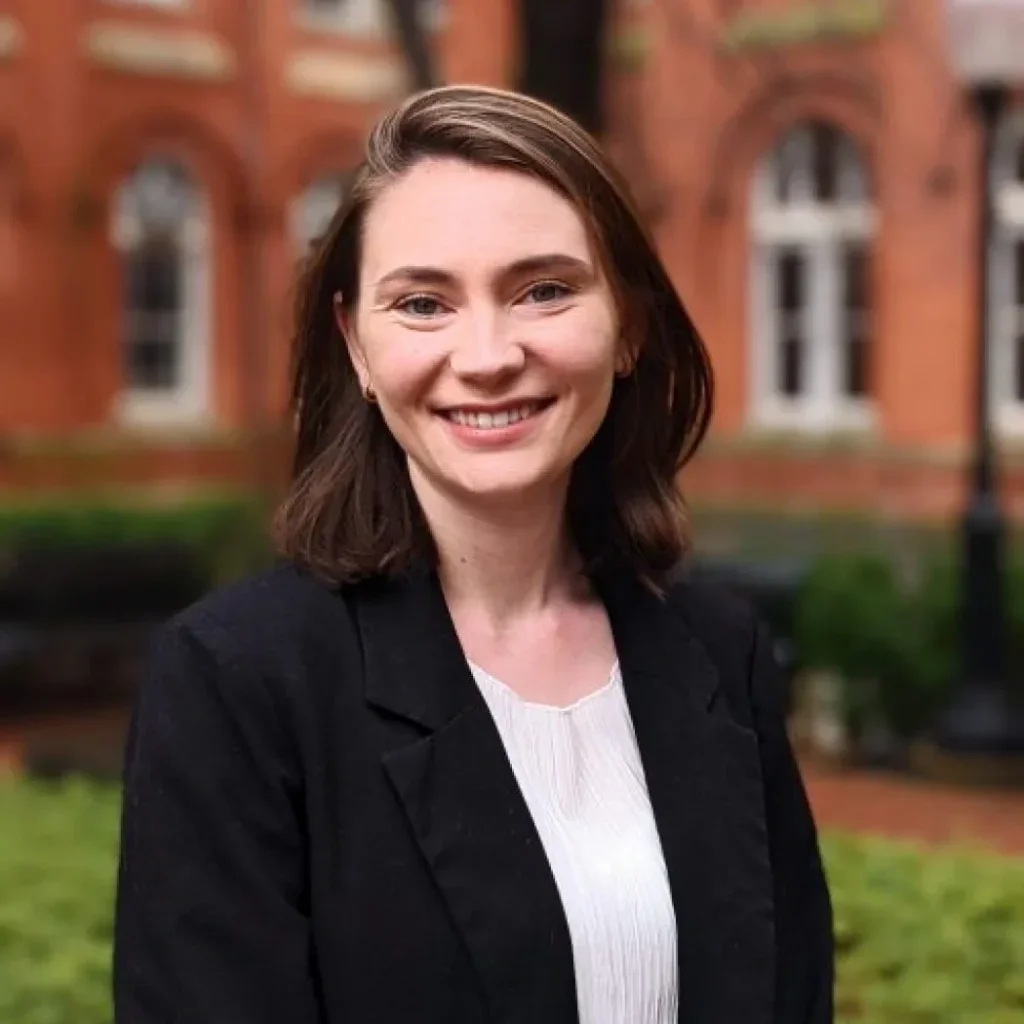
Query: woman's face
x=486, y=328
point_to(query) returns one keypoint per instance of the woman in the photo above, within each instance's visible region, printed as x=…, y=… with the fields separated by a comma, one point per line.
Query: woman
x=475, y=751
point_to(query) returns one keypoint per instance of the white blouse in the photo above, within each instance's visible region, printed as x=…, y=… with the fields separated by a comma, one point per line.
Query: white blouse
x=580, y=774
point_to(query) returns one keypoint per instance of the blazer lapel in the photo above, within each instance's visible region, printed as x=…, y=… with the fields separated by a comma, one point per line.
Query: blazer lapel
x=703, y=777
x=464, y=805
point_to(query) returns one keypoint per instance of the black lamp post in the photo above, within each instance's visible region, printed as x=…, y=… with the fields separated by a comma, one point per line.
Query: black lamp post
x=987, y=46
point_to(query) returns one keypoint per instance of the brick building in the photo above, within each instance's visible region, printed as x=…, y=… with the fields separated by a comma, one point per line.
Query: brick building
x=809, y=168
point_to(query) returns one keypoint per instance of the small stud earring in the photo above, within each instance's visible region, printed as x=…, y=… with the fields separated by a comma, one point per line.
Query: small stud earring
x=369, y=394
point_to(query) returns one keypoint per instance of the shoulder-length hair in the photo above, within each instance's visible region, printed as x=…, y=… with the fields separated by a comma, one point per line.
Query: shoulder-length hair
x=351, y=511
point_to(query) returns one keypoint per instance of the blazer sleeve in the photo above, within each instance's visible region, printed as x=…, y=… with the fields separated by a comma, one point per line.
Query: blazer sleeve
x=803, y=912
x=211, y=925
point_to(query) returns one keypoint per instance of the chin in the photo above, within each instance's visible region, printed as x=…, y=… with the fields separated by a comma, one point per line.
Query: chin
x=508, y=485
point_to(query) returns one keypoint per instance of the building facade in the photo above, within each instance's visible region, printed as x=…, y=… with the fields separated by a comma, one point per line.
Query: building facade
x=809, y=169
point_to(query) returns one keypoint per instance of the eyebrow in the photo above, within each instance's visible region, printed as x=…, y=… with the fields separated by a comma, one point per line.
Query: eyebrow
x=550, y=262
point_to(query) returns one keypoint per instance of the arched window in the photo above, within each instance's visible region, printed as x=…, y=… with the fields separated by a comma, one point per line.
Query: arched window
x=161, y=231
x=1007, y=285
x=812, y=227
x=313, y=209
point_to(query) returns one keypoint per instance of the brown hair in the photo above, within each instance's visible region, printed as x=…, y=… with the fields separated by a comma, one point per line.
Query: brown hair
x=351, y=511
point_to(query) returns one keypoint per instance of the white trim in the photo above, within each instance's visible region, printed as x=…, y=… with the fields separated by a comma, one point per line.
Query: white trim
x=368, y=18
x=813, y=222
x=1006, y=308
x=349, y=17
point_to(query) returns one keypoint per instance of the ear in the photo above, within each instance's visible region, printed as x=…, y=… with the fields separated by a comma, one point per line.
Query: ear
x=345, y=322
x=625, y=359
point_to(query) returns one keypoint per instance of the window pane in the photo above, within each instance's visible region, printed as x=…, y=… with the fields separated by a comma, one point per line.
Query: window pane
x=788, y=167
x=855, y=317
x=790, y=301
x=853, y=185
x=153, y=301
x=154, y=279
x=162, y=194
x=825, y=157
x=791, y=281
x=1018, y=275
x=1018, y=368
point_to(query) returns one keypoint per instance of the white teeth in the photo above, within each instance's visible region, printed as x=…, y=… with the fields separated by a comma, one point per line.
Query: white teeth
x=492, y=421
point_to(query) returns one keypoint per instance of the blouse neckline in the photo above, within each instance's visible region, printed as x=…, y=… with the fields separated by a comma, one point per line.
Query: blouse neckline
x=495, y=684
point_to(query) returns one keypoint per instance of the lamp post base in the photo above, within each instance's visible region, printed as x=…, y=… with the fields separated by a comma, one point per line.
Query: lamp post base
x=978, y=740
x=984, y=720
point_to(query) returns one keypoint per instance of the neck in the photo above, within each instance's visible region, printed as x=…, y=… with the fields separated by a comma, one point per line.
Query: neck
x=503, y=563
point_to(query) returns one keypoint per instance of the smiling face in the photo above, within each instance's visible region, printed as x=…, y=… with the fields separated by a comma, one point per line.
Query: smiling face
x=486, y=328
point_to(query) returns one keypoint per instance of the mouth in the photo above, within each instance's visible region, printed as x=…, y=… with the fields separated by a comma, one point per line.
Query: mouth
x=498, y=417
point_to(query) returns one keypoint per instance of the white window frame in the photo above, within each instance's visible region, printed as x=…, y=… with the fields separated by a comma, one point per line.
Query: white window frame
x=365, y=18
x=188, y=402
x=820, y=231
x=1006, y=318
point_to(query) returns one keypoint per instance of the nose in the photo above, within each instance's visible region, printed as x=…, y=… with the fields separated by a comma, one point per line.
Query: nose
x=487, y=352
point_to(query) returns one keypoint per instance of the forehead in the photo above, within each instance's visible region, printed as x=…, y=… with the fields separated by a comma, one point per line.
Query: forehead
x=453, y=214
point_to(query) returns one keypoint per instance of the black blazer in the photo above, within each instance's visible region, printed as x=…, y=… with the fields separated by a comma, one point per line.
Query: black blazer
x=321, y=824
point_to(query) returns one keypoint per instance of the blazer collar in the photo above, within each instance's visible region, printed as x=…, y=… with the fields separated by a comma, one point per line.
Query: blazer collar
x=415, y=667
x=461, y=797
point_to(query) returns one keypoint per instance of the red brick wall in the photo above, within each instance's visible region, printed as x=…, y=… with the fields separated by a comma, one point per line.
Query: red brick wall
x=689, y=125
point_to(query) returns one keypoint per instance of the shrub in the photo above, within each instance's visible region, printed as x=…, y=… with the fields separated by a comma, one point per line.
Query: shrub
x=57, y=866
x=226, y=530
x=888, y=640
x=932, y=937
x=892, y=637
x=923, y=937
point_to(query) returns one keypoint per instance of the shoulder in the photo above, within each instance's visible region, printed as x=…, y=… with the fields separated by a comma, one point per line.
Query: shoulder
x=728, y=629
x=710, y=609
x=722, y=621
x=279, y=623
x=275, y=603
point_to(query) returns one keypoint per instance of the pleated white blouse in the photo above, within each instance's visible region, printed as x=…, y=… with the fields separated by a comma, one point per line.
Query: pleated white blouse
x=579, y=771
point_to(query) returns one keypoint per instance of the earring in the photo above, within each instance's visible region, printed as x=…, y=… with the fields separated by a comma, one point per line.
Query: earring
x=369, y=394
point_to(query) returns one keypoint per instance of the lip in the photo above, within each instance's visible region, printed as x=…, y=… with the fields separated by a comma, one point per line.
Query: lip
x=495, y=407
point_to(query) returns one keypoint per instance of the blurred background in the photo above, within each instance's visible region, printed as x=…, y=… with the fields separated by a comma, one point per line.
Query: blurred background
x=837, y=187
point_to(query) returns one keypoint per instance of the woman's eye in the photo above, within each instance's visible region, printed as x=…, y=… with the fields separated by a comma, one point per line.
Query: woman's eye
x=419, y=305
x=547, y=291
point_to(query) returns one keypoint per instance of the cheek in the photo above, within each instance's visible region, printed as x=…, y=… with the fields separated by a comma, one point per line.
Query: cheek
x=585, y=354
x=404, y=367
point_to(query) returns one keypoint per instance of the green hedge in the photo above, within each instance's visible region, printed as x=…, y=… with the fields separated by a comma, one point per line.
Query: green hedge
x=932, y=937
x=226, y=530
x=926, y=937
x=58, y=847
x=892, y=632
